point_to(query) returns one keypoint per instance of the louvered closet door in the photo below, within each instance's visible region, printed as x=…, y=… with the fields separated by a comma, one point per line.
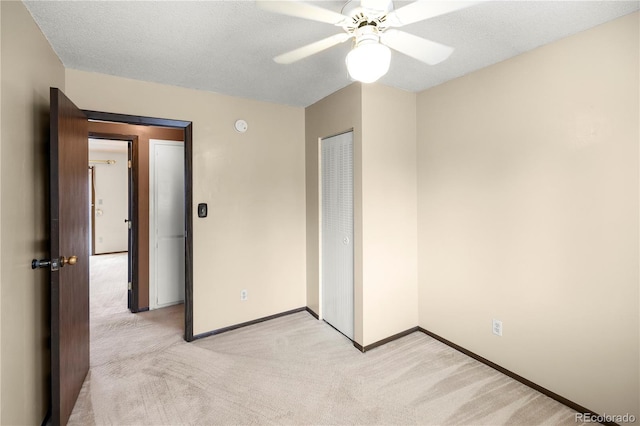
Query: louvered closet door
x=337, y=232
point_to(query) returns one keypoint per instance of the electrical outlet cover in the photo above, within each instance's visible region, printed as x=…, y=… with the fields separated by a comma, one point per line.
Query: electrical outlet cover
x=497, y=327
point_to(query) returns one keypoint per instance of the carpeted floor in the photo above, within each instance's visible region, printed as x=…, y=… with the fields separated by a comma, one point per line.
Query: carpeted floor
x=292, y=370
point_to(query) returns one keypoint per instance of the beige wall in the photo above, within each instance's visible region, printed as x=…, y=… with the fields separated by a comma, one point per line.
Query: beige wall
x=385, y=244
x=389, y=212
x=111, y=186
x=254, y=236
x=528, y=213
x=29, y=68
x=335, y=114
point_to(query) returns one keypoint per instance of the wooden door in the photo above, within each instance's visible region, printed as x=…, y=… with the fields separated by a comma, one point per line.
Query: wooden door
x=69, y=238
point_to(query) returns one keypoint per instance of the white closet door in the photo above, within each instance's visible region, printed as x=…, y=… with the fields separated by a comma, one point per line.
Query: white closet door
x=166, y=170
x=337, y=232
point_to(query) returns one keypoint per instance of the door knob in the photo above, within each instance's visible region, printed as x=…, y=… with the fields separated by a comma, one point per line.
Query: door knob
x=55, y=263
x=70, y=261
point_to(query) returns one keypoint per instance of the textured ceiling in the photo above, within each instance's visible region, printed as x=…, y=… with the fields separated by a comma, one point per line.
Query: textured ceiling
x=227, y=46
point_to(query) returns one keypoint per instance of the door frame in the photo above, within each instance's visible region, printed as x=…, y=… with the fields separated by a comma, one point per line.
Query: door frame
x=187, y=127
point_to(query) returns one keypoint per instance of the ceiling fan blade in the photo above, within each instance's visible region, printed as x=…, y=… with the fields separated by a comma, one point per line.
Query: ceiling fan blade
x=311, y=49
x=302, y=10
x=419, y=48
x=422, y=9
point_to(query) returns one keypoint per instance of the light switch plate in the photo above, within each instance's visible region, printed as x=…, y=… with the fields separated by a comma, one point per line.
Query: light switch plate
x=202, y=210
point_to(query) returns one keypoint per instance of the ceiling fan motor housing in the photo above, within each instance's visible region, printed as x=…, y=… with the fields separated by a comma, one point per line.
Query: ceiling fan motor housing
x=366, y=34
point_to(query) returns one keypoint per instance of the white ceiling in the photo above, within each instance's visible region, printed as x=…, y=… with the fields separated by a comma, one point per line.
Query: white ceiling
x=227, y=46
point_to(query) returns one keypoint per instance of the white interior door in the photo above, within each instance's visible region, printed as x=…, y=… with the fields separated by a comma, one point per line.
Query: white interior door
x=337, y=232
x=166, y=223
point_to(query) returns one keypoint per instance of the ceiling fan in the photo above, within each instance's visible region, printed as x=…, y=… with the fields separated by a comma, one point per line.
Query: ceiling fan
x=371, y=23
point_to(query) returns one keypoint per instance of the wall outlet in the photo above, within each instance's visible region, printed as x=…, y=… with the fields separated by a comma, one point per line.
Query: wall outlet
x=244, y=295
x=497, y=327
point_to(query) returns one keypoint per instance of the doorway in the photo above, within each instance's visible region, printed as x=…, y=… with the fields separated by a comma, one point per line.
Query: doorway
x=109, y=191
x=336, y=180
x=111, y=203
x=100, y=120
x=139, y=223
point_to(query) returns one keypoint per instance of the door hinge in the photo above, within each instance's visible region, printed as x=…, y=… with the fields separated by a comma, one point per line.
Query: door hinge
x=129, y=164
x=129, y=286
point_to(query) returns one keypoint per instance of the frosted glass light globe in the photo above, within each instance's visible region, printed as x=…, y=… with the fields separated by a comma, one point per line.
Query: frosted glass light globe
x=368, y=61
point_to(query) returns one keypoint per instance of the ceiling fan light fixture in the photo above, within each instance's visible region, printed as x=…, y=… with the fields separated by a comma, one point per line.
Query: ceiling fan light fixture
x=368, y=61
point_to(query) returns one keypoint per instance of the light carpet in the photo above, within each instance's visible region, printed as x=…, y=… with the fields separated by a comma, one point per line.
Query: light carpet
x=293, y=370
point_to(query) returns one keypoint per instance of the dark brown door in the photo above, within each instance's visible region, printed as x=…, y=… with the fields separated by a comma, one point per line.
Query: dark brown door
x=69, y=244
